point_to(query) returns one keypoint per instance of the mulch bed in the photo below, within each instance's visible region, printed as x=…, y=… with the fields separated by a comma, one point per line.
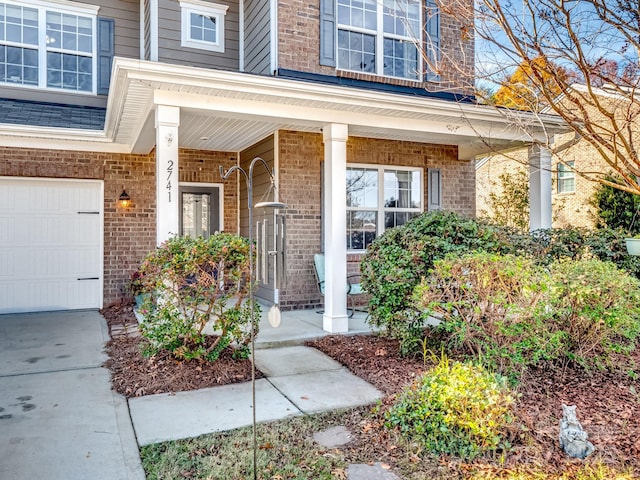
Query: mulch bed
x=608, y=405
x=134, y=375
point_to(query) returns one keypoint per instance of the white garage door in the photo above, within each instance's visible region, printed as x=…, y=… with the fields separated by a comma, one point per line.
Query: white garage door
x=50, y=244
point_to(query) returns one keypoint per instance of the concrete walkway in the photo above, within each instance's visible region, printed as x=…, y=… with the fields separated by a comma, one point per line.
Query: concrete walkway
x=59, y=418
x=298, y=380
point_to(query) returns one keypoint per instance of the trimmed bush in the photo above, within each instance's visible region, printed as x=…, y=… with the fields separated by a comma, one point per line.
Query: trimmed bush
x=397, y=260
x=512, y=314
x=195, y=281
x=492, y=307
x=455, y=408
x=616, y=209
x=597, y=307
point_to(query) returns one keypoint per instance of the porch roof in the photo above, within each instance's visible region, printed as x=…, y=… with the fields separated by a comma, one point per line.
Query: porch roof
x=230, y=111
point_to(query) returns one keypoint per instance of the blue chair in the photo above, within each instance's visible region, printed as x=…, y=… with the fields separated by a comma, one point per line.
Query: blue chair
x=353, y=288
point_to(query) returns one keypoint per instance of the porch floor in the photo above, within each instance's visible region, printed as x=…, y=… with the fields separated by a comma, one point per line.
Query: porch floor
x=297, y=326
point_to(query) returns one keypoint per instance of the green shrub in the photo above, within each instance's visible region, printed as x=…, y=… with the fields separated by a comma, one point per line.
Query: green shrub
x=512, y=314
x=397, y=260
x=492, y=307
x=608, y=245
x=616, y=209
x=597, y=306
x=195, y=281
x=455, y=408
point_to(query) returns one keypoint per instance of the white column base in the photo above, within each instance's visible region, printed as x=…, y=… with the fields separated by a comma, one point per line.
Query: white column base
x=335, y=324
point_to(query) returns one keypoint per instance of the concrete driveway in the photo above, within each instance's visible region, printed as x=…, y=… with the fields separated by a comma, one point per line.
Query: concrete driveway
x=59, y=418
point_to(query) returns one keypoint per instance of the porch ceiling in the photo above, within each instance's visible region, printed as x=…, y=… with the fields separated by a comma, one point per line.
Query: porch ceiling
x=230, y=111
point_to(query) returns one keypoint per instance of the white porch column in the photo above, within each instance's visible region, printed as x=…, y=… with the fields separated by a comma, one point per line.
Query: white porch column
x=335, y=318
x=539, y=188
x=167, y=213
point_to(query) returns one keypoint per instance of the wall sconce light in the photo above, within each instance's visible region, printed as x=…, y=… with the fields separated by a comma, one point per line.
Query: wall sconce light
x=124, y=200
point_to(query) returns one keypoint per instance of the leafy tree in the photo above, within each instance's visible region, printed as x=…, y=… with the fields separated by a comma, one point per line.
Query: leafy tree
x=521, y=91
x=616, y=209
x=598, y=40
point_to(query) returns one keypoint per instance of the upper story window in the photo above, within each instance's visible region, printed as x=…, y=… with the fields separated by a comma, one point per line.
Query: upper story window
x=566, y=177
x=203, y=25
x=380, y=37
x=379, y=198
x=48, y=45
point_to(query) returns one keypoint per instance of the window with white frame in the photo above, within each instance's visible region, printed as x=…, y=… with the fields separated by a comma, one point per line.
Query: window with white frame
x=203, y=25
x=380, y=37
x=48, y=45
x=566, y=177
x=378, y=198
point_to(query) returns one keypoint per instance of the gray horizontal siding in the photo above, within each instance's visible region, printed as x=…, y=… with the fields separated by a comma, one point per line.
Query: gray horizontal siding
x=126, y=14
x=170, y=50
x=257, y=36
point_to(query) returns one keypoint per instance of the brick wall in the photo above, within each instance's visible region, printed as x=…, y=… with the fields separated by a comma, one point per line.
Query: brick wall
x=300, y=157
x=129, y=234
x=204, y=167
x=299, y=48
x=568, y=209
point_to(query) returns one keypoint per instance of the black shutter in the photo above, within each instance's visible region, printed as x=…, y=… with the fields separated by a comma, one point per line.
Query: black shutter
x=432, y=28
x=328, y=33
x=106, y=52
x=434, y=189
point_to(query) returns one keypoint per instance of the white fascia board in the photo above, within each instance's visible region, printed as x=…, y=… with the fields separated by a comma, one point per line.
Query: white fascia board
x=458, y=113
x=58, y=139
x=318, y=116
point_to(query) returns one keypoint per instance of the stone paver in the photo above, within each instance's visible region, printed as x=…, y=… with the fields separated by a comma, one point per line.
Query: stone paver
x=370, y=472
x=333, y=437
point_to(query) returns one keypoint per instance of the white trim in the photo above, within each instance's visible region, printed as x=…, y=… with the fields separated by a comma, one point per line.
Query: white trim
x=381, y=209
x=42, y=47
x=59, y=5
x=220, y=197
x=205, y=9
x=241, y=37
x=100, y=256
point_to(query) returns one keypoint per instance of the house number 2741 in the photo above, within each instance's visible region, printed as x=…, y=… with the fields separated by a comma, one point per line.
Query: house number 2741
x=169, y=186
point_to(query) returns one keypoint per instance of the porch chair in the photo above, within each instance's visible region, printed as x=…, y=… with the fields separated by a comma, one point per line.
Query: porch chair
x=353, y=288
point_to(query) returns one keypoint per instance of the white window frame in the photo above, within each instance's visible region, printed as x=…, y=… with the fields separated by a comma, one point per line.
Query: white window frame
x=381, y=209
x=380, y=36
x=567, y=173
x=64, y=7
x=213, y=10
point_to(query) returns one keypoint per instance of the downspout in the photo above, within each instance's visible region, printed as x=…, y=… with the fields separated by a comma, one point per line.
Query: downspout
x=241, y=36
x=273, y=38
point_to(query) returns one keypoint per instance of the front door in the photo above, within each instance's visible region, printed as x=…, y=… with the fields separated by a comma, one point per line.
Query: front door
x=199, y=210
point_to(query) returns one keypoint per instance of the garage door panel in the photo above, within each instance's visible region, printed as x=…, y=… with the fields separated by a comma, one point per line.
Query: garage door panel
x=46, y=245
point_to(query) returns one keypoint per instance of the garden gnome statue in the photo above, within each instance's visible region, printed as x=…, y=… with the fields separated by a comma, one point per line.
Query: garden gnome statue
x=573, y=438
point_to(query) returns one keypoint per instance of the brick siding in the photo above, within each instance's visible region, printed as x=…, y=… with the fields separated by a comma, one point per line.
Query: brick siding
x=571, y=209
x=299, y=48
x=300, y=160
x=129, y=234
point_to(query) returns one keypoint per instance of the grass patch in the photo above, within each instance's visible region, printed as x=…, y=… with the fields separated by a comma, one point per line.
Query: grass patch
x=286, y=451
x=594, y=471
